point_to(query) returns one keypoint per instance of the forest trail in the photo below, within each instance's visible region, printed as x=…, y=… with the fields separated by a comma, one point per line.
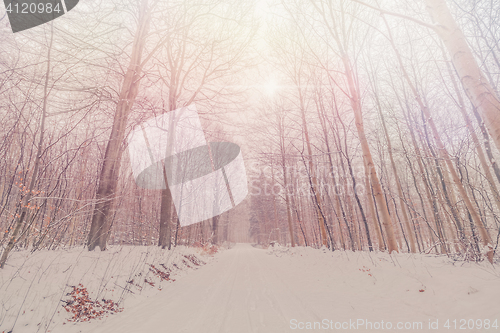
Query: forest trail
x=242, y=291
x=246, y=289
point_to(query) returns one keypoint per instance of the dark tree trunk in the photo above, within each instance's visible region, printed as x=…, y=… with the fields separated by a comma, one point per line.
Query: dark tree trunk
x=215, y=229
x=165, y=217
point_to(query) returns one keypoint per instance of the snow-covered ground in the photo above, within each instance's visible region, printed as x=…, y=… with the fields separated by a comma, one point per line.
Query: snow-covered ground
x=246, y=289
x=34, y=287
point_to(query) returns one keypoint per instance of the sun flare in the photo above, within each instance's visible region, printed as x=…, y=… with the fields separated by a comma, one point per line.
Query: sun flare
x=271, y=87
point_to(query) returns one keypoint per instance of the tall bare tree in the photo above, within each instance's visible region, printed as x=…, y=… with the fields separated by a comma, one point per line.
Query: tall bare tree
x=108, y=179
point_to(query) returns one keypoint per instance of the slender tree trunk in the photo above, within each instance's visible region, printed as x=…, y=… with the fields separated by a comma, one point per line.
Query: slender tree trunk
x=312, y=171
x=406, y=222
x=428, y=188
x=487, y=145
x=275, y=222
x=367, y=156
x=414, y=178
x=361, y=210
x=377, y=188
x=287, y=201
x=281, y=131
x=339, y=209
x=373, y=211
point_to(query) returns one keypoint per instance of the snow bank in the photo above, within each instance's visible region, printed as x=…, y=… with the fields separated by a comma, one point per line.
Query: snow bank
x=35, y=286
x=400, y=288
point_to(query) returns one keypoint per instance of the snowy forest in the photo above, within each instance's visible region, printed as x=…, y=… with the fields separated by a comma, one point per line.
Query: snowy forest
x=365, y=126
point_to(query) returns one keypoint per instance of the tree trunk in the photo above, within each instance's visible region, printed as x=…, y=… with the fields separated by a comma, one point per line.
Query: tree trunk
x=475, y=139
x=367, y=156
x=314, y=182
x=406, y=222
x=165, y=239
x=337, y=204
x=476, y=86
x=487, y=145
x=281, y=130
x=288, y=208
x=108, y=179
x=215, y=229
x=361, y=210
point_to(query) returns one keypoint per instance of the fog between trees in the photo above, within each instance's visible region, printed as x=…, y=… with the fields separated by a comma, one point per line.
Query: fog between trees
x=364, y=126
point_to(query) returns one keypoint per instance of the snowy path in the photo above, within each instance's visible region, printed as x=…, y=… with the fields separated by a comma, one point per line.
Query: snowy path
x=243, y=291
x=250, y=290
